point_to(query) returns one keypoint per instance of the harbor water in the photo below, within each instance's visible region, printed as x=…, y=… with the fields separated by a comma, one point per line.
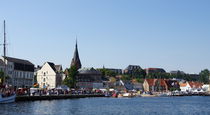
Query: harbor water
x=195, y=105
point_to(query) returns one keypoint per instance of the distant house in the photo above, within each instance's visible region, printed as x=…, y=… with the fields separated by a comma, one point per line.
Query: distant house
x=195, y=85
x=190, y=86
x=155, y=85
x=131, y=68
x=177, y=72
x=154, y=70
x=185, y=87
x=20, y=72
x=89, y=78
x=50, y=75
x=137, y=86
x=172, y=84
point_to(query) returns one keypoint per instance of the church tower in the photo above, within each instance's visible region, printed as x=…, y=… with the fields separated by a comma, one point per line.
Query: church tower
x=75, y=60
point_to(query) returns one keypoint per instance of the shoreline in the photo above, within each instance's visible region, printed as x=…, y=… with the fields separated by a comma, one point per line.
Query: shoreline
x=54, y=97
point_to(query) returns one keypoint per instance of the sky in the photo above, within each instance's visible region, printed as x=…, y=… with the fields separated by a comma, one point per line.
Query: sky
x=169, y=34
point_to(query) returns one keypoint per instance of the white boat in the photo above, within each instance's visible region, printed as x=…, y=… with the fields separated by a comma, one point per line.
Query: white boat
x=8, y=99
x=148, y=95
x=162, y=95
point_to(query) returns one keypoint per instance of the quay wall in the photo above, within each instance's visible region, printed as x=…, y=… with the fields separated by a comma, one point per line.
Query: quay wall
x=53, y=97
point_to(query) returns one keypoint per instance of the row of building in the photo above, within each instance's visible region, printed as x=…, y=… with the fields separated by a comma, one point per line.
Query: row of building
x=23, y=74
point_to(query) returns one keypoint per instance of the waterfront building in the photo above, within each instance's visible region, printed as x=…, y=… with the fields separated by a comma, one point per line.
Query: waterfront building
x=185, y=87
x=131, y=68
x=191, y=86
x=50, y=75
x=76, y=60
x=155, y=85
x=154, y=70
x=172, y=84
x=20, y=72
x=89, y=78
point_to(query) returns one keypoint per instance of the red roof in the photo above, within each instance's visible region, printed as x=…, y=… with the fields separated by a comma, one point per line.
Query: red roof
x=153, y=82
x=195, y=84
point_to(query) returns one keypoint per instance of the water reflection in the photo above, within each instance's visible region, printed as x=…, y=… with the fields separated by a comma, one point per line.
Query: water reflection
x=110, y=106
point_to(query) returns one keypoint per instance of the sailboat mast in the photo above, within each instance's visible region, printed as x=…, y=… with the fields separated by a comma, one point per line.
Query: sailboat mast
x=4, y=41
x=5, y=66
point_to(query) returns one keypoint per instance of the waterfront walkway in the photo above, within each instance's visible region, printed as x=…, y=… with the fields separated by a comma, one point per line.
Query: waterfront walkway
x=52, y=97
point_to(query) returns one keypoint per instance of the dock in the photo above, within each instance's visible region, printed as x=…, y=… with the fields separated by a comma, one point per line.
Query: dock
x=55, y=97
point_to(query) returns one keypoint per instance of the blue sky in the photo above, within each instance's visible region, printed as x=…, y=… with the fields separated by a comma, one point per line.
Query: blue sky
x=171, y=34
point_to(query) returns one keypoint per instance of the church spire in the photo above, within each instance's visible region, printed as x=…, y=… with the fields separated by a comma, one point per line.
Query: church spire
x=75, y=60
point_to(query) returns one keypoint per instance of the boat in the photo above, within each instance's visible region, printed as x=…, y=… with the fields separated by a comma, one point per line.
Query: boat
x=10, y=97
x=162, y=95
x=148, y=95
x=7, y=99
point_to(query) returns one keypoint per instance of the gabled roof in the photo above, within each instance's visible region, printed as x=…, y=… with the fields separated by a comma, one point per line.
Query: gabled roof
x=52, y=65
x=58, y=68
x=183, y=84
x=195, y=84
x=16, y=60
x=153, y=82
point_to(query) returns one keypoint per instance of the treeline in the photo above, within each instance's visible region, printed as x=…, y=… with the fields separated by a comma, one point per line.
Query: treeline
x=140, y=74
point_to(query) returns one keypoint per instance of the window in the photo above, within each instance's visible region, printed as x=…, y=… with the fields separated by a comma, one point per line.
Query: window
x=44, y=80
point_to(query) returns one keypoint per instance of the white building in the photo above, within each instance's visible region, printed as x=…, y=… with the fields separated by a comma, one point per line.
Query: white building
x=185, y=87
x=50, y=75
x=20, y=72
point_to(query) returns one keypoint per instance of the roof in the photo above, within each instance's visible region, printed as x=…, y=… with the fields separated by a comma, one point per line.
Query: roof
x=52, y=65
x=195, y=84
x=58, y=67
x=153, y=82
x=88, y=71
x=16, y=60
x=131, y=67
x=183, y=84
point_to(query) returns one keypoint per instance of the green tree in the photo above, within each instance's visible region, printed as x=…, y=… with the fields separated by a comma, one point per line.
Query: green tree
x=204, y=76
x=107, y=73
x=3, y=77
x=126, y=77
x=70, y=80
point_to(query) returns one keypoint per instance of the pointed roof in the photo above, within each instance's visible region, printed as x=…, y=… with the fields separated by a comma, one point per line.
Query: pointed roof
x=75, y=60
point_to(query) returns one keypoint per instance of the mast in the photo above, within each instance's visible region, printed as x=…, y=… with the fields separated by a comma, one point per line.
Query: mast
x=4, y=50
x=4, y=42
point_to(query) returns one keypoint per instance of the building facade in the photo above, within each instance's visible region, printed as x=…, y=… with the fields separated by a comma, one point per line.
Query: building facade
x=19, y=71
x=89, y=78
x=131, y=68
x=50, y=75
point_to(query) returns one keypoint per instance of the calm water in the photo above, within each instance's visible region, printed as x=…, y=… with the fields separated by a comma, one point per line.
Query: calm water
x=112, y=106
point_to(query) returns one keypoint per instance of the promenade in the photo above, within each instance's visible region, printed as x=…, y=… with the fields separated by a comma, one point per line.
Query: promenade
x=52, y=97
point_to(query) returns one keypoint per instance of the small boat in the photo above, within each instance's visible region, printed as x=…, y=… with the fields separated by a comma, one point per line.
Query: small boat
x=7, y=99
x=148, y=95
x=162, y=95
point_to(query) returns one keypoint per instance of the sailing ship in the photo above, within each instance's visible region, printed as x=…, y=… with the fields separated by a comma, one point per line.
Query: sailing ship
x=6, y=95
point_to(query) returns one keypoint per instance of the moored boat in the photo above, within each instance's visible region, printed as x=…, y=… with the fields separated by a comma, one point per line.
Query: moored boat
x=7, y=99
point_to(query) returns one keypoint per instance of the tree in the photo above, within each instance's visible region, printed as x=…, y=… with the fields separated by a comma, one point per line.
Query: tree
x=3, y=77
x=204, y=76
x=105, y=72
x=70, y=80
